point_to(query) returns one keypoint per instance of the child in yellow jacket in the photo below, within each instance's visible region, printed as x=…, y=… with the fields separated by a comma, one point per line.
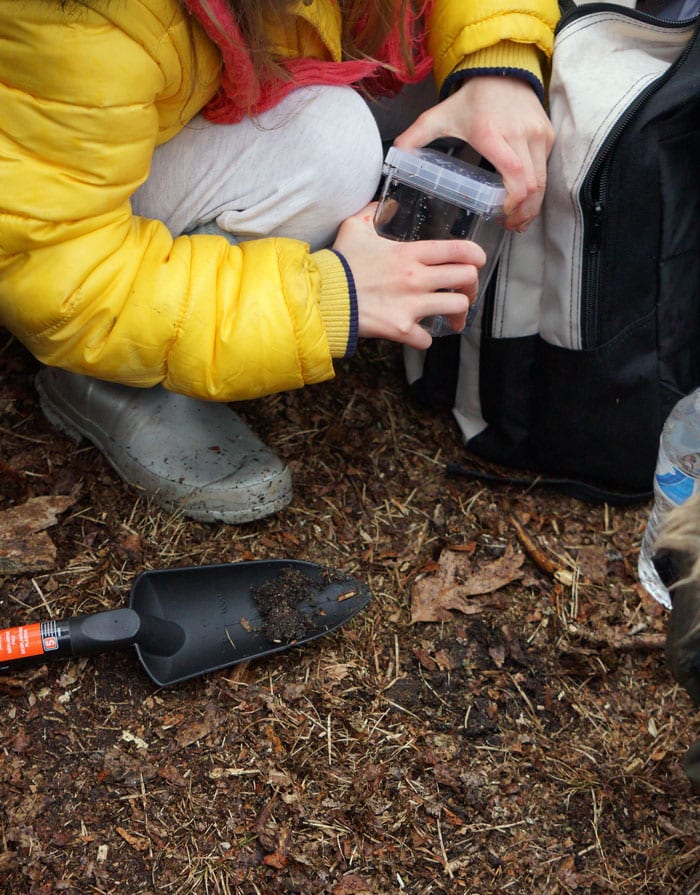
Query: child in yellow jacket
x=184, y=221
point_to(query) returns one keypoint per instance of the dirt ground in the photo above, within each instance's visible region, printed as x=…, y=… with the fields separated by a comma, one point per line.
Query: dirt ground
x=498, y=719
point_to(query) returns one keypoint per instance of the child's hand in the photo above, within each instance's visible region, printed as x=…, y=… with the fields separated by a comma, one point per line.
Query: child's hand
x=400, y=283
x=503, y=120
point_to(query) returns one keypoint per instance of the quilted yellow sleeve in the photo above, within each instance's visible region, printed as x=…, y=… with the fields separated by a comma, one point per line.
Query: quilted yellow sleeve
x=491, y=37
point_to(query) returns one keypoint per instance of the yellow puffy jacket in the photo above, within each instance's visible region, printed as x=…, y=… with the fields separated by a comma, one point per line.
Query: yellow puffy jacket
x=86, y=94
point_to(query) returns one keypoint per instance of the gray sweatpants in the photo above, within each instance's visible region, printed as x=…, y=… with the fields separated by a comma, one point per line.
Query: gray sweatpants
x=297, y=171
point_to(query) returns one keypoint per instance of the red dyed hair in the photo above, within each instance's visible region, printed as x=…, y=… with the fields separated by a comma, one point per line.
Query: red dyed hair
x=383, y=45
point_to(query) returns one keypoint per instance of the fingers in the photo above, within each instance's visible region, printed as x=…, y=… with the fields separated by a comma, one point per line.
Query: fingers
x=457, y=321
x=448, y=278
x=525, y=184
x=503, y=120
x=400, y=283
x=426, y=128
x=446, y=304
x=417, y=337
x=523, y=167
x=445, y=251
x=445, y=265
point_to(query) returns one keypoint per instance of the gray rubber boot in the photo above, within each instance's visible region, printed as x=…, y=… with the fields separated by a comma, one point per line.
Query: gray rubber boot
x=192, y=456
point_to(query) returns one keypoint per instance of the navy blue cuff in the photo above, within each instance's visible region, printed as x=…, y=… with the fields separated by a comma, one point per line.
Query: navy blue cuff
x=457, y=77
x=352, y=293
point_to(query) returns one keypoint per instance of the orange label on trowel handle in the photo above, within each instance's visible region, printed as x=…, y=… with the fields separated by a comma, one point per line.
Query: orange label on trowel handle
x=18, y=643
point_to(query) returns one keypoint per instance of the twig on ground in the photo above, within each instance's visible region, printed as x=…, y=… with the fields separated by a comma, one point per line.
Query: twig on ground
x=618, y=641
x=533, y=550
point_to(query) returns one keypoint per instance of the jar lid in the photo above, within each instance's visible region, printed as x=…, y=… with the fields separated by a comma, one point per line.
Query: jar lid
x=447, y=177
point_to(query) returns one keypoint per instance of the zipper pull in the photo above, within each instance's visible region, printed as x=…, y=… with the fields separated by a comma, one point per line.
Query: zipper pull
x=596, y=229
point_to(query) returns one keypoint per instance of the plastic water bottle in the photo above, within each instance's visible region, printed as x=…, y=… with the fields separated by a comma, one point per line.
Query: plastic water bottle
x=676, y=478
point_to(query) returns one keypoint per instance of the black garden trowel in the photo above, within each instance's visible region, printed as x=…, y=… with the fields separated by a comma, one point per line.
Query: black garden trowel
x=190, y=621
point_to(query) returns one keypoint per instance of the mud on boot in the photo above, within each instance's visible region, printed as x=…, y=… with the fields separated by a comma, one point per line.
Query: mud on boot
x=195, y=457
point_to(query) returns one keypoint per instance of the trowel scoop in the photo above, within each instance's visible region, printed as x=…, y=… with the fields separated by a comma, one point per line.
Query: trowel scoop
x=185, y=622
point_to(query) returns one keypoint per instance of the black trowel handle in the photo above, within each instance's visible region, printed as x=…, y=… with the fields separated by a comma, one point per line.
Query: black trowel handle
x=84, y=635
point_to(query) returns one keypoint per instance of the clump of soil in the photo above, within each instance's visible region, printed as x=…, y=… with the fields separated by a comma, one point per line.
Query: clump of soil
x=278, y=601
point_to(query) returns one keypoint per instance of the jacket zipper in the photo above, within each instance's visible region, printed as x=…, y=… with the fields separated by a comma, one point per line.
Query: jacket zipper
x=594, y=190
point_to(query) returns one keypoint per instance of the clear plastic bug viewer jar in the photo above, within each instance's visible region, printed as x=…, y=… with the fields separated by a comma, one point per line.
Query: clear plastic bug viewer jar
x=427, y=194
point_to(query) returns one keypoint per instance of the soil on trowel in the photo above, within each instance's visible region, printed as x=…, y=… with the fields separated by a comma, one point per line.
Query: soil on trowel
x=278, y=601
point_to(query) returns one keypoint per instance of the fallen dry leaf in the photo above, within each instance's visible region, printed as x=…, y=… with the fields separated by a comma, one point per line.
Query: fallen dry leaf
x=194, y=732
x=138, y=843
x=593, y=563
x=337, y=671
x=433, y=596
x=425, y=659
x=445, y=661
x=172, y=775
x=353, y=885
